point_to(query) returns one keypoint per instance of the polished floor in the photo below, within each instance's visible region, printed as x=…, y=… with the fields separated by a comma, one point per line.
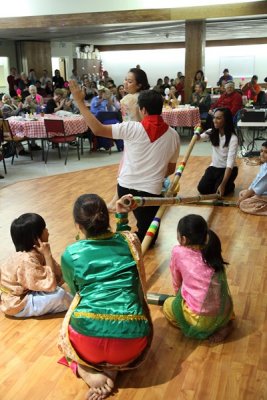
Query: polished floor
x=24, y=168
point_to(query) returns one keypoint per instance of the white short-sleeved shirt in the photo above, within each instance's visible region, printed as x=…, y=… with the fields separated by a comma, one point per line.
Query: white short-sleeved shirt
x=145, y=163
x=223, y=157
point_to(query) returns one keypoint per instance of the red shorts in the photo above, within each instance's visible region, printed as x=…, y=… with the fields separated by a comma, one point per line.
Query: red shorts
x=110, y=350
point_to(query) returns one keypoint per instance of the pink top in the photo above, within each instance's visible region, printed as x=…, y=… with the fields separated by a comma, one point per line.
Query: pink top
x=194, y=276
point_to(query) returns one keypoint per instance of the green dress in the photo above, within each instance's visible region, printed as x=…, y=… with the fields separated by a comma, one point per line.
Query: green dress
x=106, y=276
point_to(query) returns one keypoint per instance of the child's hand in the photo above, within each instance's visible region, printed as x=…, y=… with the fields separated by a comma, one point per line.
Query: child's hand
x=125, y=204
x=43, y=248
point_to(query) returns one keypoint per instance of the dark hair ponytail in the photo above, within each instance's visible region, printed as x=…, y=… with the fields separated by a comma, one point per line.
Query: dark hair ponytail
x=90, y=211
x=195, y=229
x=229, y=128
x=212, y=252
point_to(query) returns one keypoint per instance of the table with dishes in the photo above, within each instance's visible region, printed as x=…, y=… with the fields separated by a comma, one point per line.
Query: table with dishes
x=34, y=127
x=181, y=116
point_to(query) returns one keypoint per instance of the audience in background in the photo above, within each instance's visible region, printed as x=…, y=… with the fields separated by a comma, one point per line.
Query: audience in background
x=12, y=79
x=102, y=102
x=252, y=89
x=34, y=101
x=231, y=99
x=23, y=85
x=45, y=79
x=225, y=77
x=180, y=88
x=200, y=98
x=56, y=103
x=32, y=77
x=199, y=77
x=74, y=76
x=57, y=79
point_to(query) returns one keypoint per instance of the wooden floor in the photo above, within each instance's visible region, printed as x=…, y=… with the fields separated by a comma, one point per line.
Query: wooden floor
x=177, y=368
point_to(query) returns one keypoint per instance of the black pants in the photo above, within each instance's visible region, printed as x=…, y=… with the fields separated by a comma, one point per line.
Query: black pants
x=144, y=215
x=212, y=179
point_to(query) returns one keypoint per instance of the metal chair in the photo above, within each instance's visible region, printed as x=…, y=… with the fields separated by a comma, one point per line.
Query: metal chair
x=56, y=128
x=9, y=137
x=2, y=154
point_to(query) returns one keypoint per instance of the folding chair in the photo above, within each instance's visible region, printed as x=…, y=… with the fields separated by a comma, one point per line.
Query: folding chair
x=56, y=128
x=107, y=118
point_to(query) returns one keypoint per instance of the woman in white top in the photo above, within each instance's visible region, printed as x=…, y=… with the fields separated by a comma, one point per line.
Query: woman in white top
x=220, y=175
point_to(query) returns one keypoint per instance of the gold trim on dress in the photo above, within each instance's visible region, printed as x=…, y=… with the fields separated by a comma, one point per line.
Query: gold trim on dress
x=110, y=317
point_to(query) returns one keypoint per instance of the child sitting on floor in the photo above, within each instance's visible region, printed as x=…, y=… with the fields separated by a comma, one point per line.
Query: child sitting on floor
x=30, y=280
x=254, y=199
x=202, y=307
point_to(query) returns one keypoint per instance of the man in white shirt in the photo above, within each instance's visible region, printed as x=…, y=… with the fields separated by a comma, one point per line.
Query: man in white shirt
x=151, y=150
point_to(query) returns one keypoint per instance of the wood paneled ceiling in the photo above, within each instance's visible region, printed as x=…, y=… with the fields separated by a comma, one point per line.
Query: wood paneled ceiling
x=223, y=23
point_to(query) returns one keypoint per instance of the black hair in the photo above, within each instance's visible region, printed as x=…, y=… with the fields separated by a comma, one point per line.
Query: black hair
x=264, y=144
x=201, y=72
x=229, y=128
x=141, y=78
x=90, y=211
x=152, y=101
x=201, y=84
x=195, y=229
x=25, y=230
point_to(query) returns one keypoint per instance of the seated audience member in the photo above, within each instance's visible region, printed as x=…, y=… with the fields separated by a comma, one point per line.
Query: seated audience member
x=34, y=101
x=49, y=89
x=56, y=103
x=254, y=199
x=230, y=99
x=106, y=77
x=166, y=83
x=201, y=99
x=252, y=89
x=41, y=91
x=74, y=76
x=45, y=78
x=89, y=89
x=158, y=86
x=57, y=79
x=171, y=98
x=225, y=77
x=180, y=88
x=9, y=108
x=102, y=102
x=68, y=102
x=119, y=95
x=177, y=79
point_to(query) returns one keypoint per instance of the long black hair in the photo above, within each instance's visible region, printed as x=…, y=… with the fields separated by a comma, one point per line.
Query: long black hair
x=229, y=128
x=90, y=211
x=25, y=231
x=141, y=78
x=195, y=229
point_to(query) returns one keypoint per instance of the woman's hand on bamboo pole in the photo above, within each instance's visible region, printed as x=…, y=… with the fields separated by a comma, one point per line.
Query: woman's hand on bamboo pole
x=125, y=204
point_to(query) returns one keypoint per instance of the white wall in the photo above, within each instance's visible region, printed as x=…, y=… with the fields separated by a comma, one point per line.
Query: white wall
x=64, y=50
x=158, y=63
x=7, y=60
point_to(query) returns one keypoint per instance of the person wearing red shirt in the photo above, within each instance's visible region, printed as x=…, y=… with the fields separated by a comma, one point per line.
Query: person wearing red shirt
x=252, y=89
x=229, y=99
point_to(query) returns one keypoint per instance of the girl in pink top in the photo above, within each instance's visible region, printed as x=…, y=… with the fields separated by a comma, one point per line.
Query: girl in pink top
x=202, y=307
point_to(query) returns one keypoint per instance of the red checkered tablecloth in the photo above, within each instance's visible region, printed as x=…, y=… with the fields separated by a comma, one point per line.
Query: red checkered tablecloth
x=36, y=129
x=181, y=116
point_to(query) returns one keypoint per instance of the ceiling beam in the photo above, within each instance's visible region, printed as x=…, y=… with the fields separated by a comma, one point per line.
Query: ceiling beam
x=257, y=8
x=180, y=45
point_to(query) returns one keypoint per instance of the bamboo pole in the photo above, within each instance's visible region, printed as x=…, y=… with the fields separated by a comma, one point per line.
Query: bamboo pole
x=171, y=192
x=159, y=201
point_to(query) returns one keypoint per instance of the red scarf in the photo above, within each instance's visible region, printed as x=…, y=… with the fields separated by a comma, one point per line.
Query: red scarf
x=154, y=126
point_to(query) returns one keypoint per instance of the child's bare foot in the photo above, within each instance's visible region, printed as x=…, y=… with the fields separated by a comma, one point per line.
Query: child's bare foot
x=101, y=383
x=222, y=333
